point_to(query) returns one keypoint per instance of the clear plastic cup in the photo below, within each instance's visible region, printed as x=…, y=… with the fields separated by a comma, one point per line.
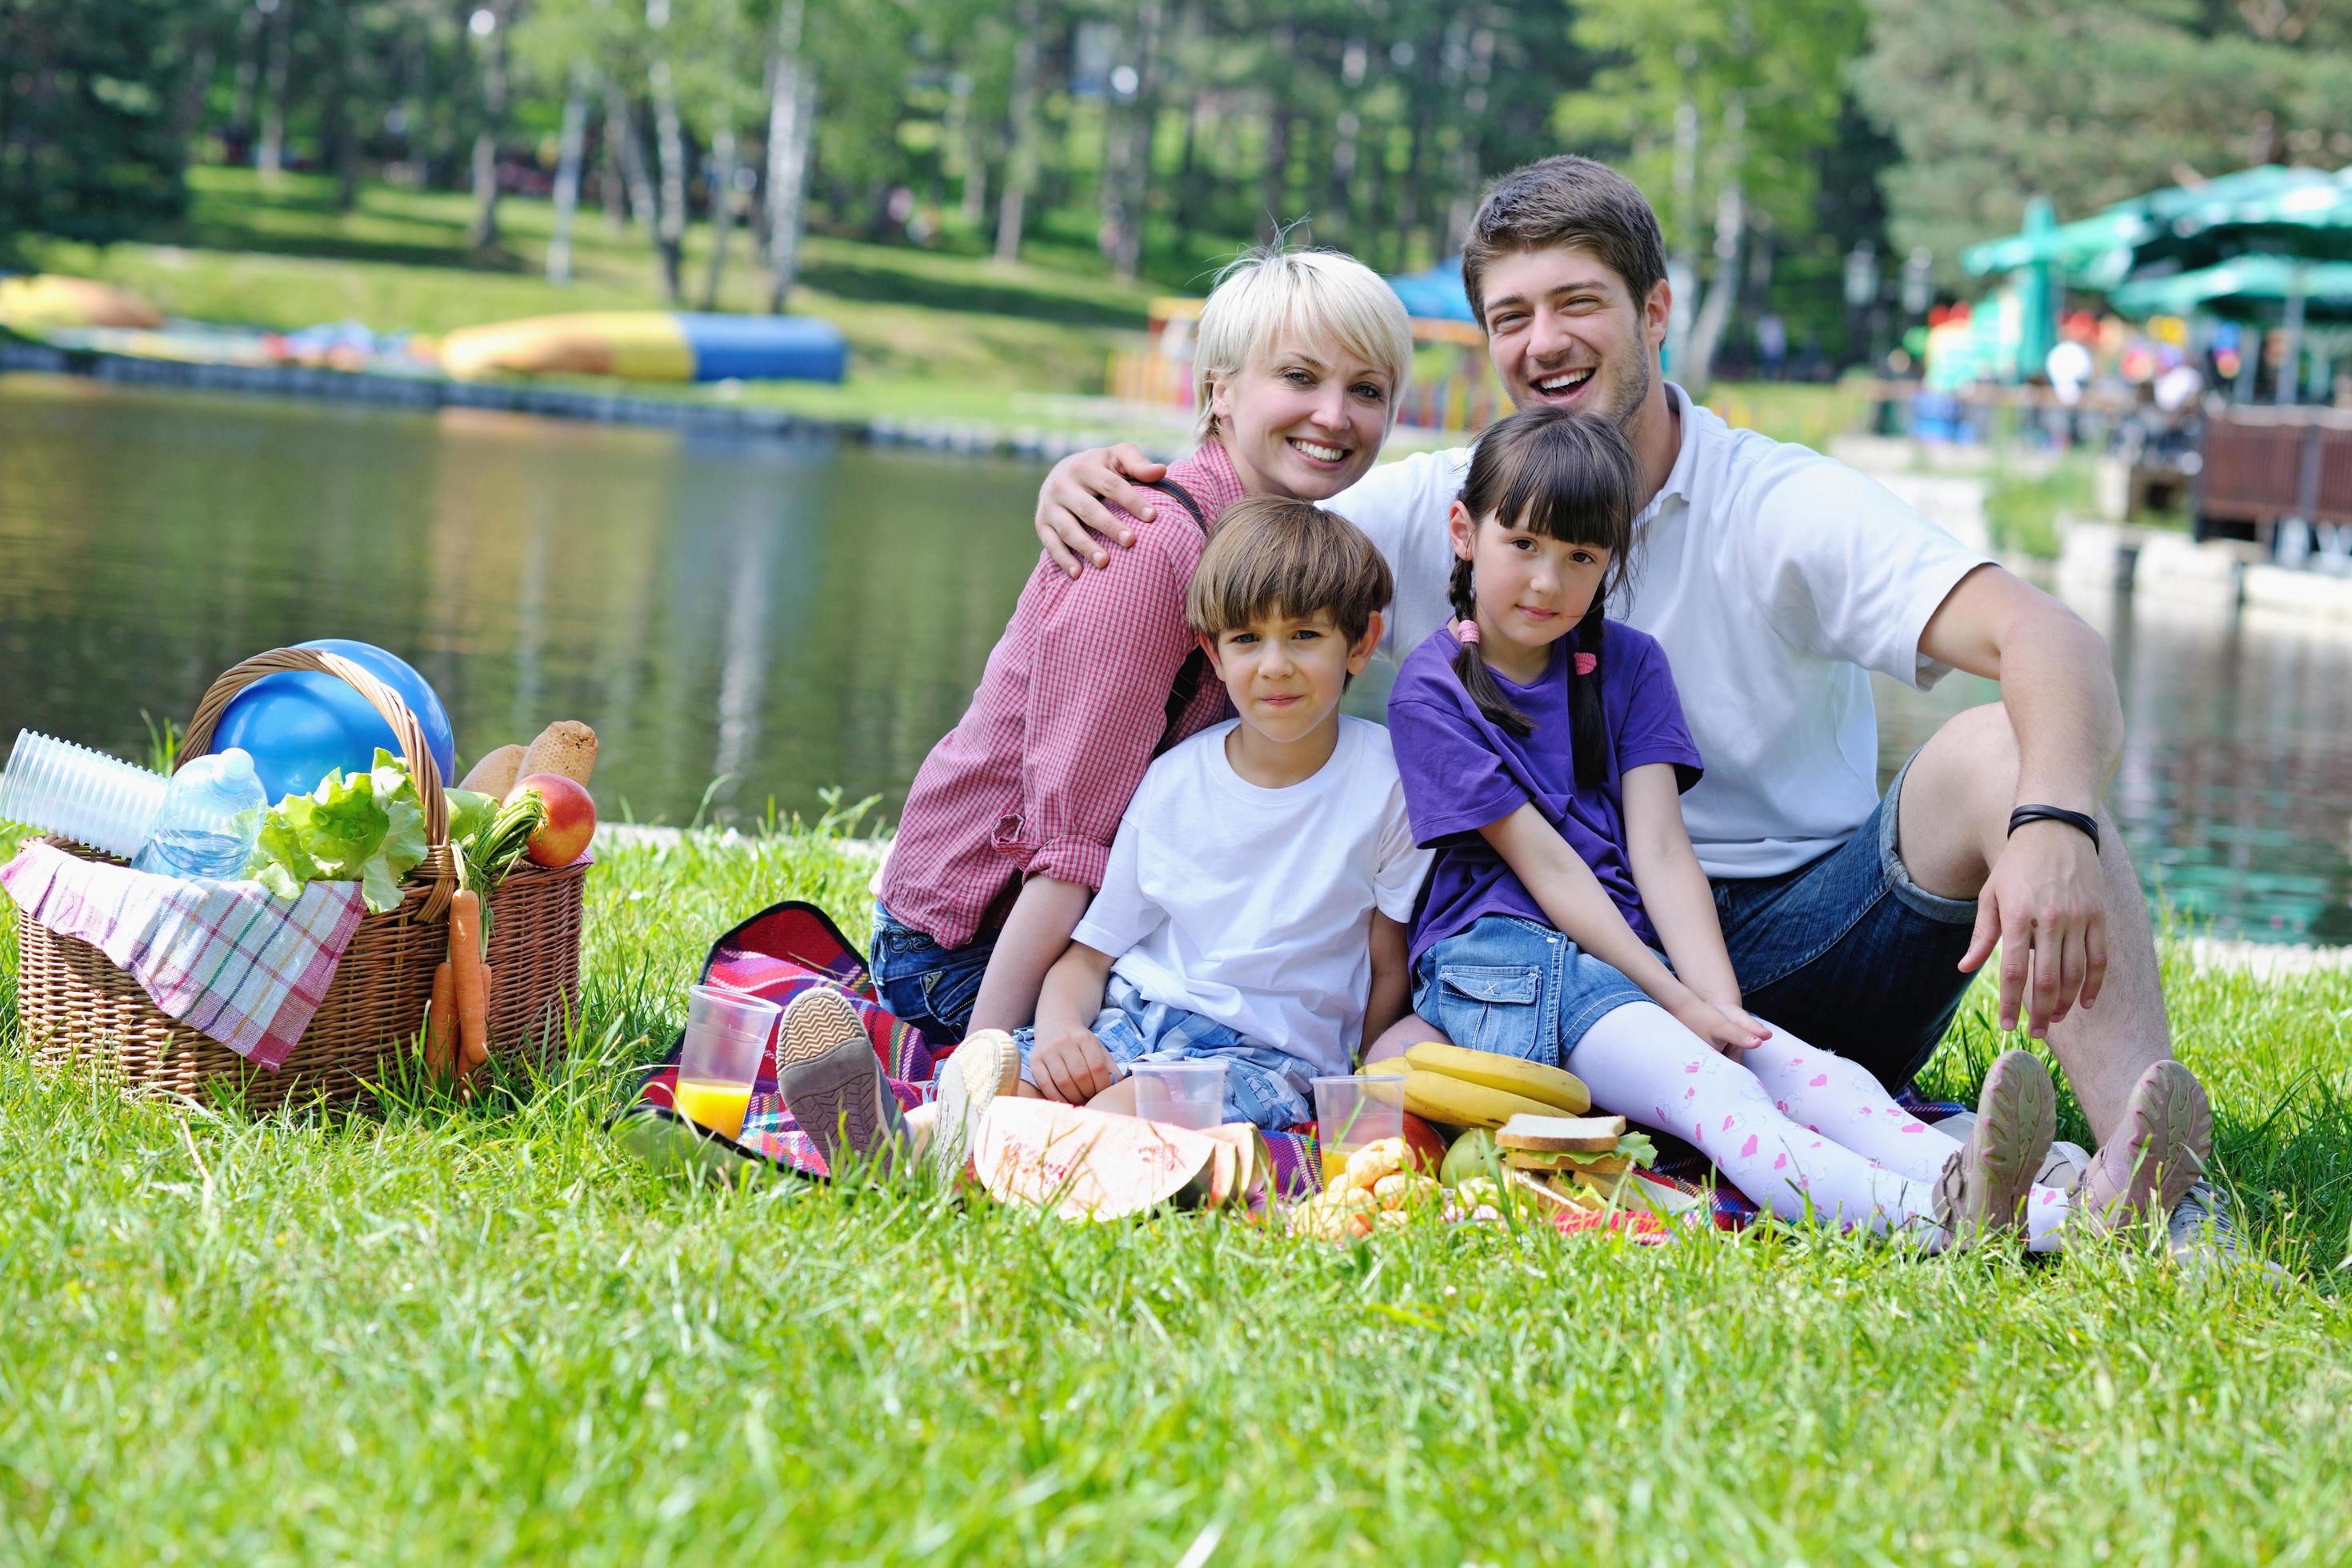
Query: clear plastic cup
x=81, y=794
x=726, y=1032
x=1350, y=1113
x=1181, y=1094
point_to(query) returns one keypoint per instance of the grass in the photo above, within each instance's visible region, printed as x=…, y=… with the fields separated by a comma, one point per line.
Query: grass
x=934, y=334
x=2022, y=507
x=481, y=1332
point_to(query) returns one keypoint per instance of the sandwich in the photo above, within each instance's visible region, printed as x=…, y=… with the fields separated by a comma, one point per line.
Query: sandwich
x=1588, y=1161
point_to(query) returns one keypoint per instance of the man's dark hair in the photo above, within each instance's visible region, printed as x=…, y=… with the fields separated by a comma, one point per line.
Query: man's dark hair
x=1564, y=201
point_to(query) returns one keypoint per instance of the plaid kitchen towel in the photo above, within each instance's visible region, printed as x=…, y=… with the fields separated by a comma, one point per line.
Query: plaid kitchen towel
x=226, y=959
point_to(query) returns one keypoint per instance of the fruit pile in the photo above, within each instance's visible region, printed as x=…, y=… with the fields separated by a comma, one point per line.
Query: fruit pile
x=1380, y=1190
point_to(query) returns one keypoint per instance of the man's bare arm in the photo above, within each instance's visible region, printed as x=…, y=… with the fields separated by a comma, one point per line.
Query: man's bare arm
x=2041, y=900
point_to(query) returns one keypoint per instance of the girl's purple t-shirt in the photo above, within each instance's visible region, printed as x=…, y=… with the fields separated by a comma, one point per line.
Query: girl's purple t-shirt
x=1461, y=772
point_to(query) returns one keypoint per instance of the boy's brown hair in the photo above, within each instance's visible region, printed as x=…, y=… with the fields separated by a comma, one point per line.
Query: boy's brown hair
x=1272, y=556
x=1565, y=201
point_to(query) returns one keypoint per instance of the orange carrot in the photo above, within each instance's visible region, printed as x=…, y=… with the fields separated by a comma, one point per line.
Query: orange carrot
x=473, y=1059
x=472, y=985
x=441, y=1023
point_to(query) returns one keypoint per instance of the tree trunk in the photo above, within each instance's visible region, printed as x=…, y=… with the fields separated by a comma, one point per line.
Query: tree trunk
x=1187, y=194
x=791, y=112
x=1275, y=193
x=1730, y=226
x=1682, y=262
x=251, y=43
x=1021, y=167
x=669, y=154
x=1127, y=175
x=484, y=232
x=613, y=161
x=271, y=158
x=722, y=210
x=570, y=147
x=338, y=136
x=965, y=157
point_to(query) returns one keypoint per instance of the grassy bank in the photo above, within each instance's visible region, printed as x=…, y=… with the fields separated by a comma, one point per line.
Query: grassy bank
x=939, y=334
x=480, y=1332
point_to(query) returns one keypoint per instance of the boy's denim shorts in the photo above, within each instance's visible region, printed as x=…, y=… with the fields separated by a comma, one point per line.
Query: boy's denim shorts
x=923, y=984
x=1262, y=1085
x=1849, y=954
x=1517, y=988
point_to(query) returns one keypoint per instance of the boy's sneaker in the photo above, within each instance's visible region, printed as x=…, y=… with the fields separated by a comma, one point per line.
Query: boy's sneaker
x=832, y=1081
x=2154, y=1155
x=988, y=1064
x=1984, y=1185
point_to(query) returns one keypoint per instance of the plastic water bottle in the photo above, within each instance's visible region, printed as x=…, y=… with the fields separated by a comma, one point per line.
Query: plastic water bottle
x=211, y=814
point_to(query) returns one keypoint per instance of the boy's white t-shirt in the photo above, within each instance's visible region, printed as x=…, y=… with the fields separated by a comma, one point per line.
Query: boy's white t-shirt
x=1253, y=906
x=1775, y=578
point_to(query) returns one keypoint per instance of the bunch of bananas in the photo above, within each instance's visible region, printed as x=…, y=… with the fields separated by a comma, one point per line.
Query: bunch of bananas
x=1480, y=1088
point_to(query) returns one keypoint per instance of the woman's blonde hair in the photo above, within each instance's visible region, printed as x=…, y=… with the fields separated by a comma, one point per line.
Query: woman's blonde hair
x=1267, y=295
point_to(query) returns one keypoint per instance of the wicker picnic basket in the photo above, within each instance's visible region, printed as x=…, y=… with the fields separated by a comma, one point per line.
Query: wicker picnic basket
x=77, y=1007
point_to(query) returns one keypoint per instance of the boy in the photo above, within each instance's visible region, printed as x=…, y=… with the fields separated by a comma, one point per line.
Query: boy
x=1252, y=910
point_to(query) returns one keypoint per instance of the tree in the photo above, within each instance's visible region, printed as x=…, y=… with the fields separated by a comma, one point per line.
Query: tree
x=2090, y=102
x=90, y=143
x=1725, y=112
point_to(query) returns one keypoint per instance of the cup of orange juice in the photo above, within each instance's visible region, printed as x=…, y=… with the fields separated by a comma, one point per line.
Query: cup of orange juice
x=726, y=1032
x=1350, y=1113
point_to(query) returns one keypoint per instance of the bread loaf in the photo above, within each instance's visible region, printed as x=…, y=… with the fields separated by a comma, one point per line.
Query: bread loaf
x=566, y=748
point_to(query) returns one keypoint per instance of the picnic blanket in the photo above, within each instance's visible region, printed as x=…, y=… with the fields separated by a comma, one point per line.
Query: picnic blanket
x=227, y=959
x=790, y=947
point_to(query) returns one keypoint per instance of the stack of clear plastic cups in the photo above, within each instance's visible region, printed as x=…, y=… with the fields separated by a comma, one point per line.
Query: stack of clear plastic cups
x=81, y=794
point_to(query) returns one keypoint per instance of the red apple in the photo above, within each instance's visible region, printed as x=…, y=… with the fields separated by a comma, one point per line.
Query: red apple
x=571, y=819
x=1425, y=1144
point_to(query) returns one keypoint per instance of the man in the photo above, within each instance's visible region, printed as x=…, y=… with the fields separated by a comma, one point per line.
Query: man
x=1776, y=578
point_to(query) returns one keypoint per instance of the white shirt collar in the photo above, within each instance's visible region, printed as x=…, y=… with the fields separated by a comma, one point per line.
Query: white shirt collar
x=1679, y=478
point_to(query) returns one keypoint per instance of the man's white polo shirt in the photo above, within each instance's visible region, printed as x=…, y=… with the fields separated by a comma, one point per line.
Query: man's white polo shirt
x=1775, y=578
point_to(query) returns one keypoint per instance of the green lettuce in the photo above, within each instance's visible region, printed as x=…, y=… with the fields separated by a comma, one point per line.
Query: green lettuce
x=368, y=828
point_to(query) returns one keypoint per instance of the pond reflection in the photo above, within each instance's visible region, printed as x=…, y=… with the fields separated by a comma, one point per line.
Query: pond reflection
x=751, y=621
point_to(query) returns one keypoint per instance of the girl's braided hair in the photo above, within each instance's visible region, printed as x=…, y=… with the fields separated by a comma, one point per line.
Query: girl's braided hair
x=1552, y=472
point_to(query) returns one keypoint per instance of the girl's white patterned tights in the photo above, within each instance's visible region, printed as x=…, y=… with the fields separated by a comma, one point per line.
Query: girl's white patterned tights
x=1790, y=1125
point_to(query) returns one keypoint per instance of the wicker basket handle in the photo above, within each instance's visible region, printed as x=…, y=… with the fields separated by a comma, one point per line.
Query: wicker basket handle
x=439, y=863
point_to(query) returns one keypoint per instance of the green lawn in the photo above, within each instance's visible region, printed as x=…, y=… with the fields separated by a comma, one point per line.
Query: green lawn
x=941, y=334
x=482, y=1333
x=930, y=333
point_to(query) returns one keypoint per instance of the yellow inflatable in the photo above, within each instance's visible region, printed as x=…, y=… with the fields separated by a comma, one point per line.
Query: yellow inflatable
x=45, y=301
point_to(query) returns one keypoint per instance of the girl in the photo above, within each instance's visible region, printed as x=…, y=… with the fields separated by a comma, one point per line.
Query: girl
x=1543, y=750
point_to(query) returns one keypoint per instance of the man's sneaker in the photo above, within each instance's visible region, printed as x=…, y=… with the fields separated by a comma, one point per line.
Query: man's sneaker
x=2201, y=1232
x=832, y=1081
x=1985, y=1184
x=988, y=1064
x=2153, y=1155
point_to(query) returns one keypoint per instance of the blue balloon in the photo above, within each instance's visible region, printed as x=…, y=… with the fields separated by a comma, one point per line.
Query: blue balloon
x=299, y=727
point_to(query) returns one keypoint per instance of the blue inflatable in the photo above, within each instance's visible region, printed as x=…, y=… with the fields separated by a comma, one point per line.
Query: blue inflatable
x=299, y=727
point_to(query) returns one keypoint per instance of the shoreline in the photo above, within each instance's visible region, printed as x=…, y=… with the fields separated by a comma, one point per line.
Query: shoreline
x=430, y=394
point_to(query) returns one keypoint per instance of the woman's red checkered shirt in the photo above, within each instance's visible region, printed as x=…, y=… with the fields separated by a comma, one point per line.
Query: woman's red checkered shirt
x=1034, y=779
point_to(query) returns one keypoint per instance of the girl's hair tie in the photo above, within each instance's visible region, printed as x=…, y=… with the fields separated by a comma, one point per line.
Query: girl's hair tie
x=1467, y=633
x=1586, y=663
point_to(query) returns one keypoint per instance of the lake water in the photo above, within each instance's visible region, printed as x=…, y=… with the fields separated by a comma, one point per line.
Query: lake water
x=749, y=622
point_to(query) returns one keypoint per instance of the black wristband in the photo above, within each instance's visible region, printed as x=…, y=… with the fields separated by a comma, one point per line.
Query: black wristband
x=2082, y=822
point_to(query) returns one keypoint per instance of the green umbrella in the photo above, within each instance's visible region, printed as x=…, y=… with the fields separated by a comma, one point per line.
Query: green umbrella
x=2101, y=250
x=2244, y=289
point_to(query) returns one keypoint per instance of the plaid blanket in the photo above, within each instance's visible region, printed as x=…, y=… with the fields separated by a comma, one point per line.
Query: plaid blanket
x=224, y=958
x=784, y=949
